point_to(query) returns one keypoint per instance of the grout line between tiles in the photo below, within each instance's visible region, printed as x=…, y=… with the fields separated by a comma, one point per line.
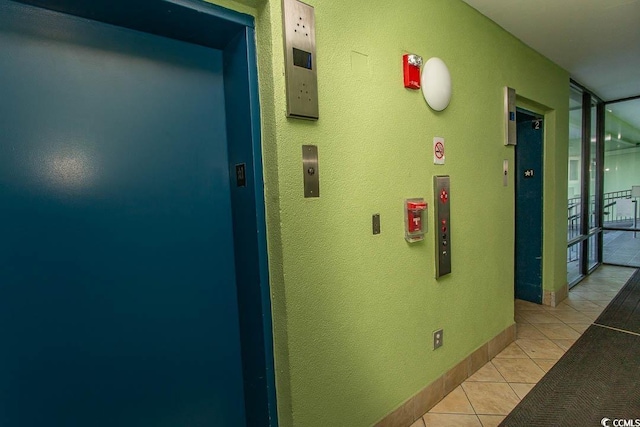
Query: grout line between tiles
x=514, y=391
x=543, y=334
x=467, y=396
x=498, y=370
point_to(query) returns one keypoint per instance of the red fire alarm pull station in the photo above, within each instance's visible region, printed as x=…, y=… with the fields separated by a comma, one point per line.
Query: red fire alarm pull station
x=411, y=65
x=415, y=224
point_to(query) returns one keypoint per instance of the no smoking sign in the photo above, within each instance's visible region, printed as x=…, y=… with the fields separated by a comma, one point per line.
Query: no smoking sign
x=438, y=151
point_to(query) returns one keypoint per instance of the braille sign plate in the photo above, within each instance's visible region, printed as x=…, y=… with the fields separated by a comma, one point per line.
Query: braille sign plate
x=241, y=175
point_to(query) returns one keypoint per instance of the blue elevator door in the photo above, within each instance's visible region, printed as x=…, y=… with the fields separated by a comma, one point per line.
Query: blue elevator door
x=528, y=181
x=117, y=285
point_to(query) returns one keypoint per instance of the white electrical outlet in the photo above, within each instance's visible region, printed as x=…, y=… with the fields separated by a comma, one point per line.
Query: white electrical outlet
x=437, y=338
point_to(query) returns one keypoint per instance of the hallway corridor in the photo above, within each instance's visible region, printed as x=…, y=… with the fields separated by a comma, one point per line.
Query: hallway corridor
x=543, y=335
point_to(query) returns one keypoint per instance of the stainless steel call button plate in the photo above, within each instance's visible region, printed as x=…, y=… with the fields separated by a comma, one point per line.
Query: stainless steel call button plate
x=442, y=214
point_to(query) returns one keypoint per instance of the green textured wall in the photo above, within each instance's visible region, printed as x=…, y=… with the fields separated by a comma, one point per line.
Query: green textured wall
x=353, y=312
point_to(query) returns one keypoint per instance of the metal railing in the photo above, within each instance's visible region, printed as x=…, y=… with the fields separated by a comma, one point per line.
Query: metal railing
x=574, y=217
x=610, y=217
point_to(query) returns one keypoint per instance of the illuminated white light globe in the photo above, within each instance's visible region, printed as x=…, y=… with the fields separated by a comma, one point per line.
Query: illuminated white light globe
x=436, y=84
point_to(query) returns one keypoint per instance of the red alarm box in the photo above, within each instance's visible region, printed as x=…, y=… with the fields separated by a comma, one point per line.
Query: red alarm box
x=415, y=225
x=411, y=65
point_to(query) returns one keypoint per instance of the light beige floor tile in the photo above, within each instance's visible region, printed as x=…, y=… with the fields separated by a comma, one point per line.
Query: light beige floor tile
x=491, y=420
x=595, y=279
x=540, y=349
x=589, y=295
x=593, y=297
x=620, y=282
x=519, y=370
x=512, y=351
x=572, y=316
x=451, y=420
x=526, y=330
x=519, y=319
x=615, y=275
x=607, y=294
x=560, y=307
x=579, y=327
x=488, y=373
x=557, y=331
x=596, y=309
x=573, y=297
x=593, y=315
x=564, y=344
x=601, y=284
x=491, y=398
x=455, y=402
x=601, y=303
x=521, y=389
x=605, y=285
x=419, y=423
x=545, y=364
x=539, y=317
x=582, y=304
x=621, y=278
x=521, y=305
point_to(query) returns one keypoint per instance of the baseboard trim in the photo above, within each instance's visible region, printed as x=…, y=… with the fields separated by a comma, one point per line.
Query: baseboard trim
x=554, y=298
x=420, y=403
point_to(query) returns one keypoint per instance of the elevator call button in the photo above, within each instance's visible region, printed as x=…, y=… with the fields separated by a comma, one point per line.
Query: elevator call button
x=444, y=196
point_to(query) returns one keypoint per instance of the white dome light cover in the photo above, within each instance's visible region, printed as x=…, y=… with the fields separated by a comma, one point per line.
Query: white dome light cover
x=436, y=84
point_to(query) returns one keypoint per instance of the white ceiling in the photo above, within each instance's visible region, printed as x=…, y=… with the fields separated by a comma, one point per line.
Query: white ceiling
x=597, y=41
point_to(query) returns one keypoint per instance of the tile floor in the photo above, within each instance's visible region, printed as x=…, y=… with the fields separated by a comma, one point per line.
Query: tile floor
x=622, y=247
x=543, y=335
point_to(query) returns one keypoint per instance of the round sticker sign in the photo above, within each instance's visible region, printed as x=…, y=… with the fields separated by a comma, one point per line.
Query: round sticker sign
x=438, y=151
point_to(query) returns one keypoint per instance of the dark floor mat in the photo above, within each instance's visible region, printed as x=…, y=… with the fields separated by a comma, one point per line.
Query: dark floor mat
x=598, y=377
x=624, y=310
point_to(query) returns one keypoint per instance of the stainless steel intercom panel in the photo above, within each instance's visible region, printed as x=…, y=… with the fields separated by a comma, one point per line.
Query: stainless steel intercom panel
x=310, y=171
x=509, y=116
x=442, y=214
x=300, y=60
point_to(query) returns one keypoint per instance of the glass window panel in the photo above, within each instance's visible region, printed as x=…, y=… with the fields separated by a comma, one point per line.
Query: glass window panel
x=593, y=250
x=593, y=168
x=575, y=163
x=573, y=262
x=621, y=182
